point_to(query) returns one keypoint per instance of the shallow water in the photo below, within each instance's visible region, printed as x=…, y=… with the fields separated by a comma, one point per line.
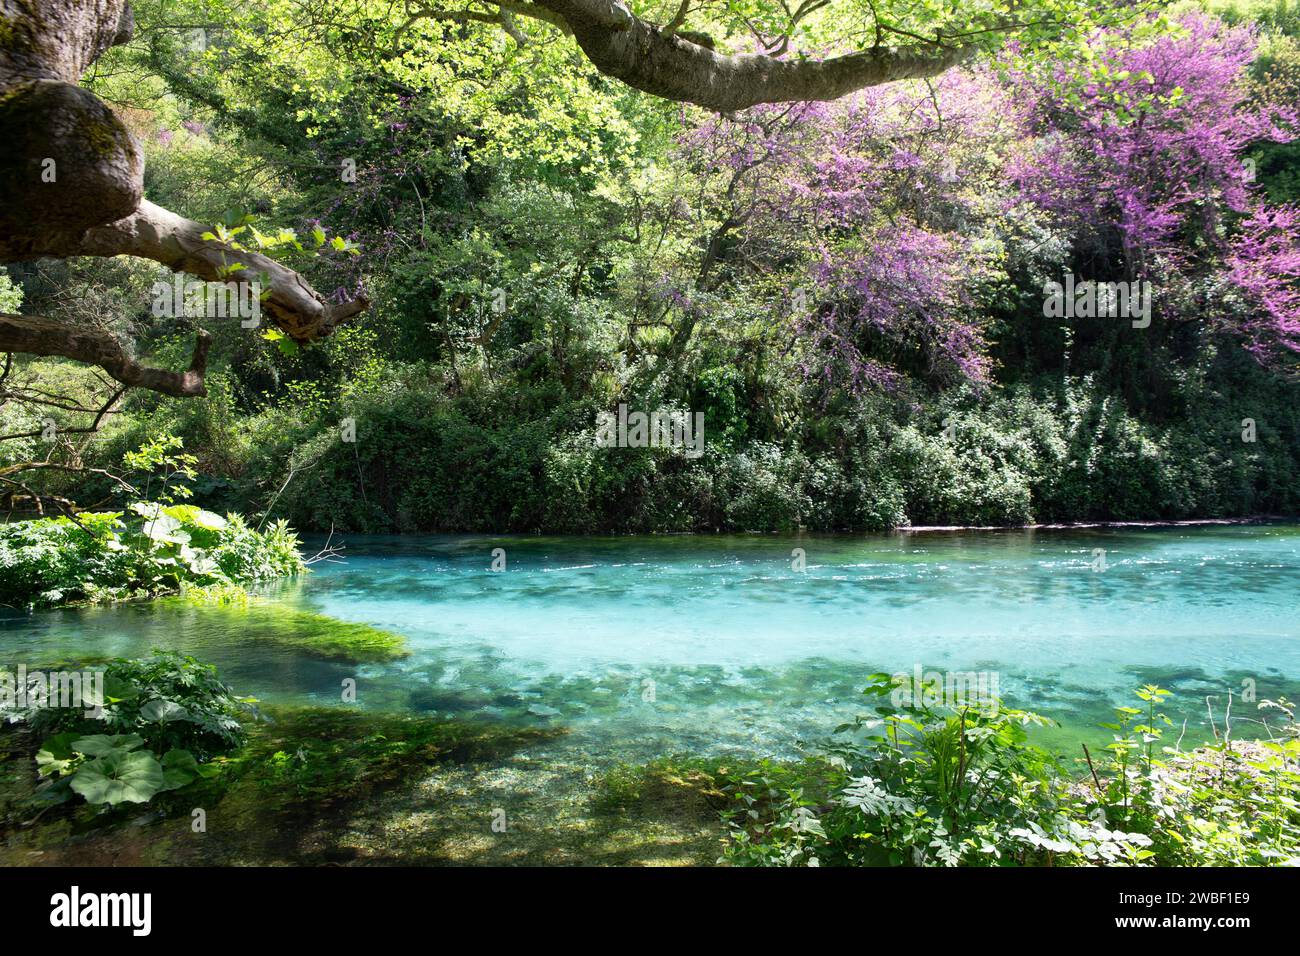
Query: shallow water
x=706, y=644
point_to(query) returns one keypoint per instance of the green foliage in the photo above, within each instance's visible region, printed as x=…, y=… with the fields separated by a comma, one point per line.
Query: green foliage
x=483, y=165
x=961, y=786
x=115, y=774
x=160, y=459
x=147, y=550
x=170, y=723
x=1232, y=804
x=170, y=700
x=155, y=545
x=163, y=718
x=11, y=296
x=488, y=461
x=925, y=787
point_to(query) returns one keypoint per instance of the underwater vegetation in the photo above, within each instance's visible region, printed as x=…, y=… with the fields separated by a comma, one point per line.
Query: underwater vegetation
x=181, y=770
x=262, y=779
x=248, y=619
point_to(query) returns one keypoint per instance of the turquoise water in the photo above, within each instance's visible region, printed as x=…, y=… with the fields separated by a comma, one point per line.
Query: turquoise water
x=653, y=645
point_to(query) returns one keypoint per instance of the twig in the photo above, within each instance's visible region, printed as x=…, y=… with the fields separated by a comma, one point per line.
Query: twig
x=1092, y=768
x=293, y=470
x=327, y=553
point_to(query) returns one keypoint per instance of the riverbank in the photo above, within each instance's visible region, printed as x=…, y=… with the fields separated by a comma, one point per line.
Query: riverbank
x=322, y=788
x=1084, y=525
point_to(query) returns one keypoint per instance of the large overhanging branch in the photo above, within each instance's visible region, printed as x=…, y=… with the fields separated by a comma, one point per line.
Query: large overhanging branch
x=71, y=184
x=644, y=56
x=41, y=336
x=152, y=232
x=672, y=64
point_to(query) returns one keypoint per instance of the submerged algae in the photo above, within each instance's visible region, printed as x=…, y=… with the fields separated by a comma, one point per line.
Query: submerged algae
x=288, y=796
x=344, y=786
x=314, y=634
x=330, y=754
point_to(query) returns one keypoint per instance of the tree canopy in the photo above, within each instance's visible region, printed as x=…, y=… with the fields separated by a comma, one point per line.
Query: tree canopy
x=464, y=225
x=73, y=153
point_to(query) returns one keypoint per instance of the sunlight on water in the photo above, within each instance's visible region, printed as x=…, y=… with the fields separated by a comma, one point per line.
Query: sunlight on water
x=679, y=644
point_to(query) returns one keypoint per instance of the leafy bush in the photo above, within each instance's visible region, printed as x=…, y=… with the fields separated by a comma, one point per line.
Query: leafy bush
x=1233, y=804
x=146, y=550
x=165, y=717
x=169, y=699
x=763, y=490
x=11, y=296
x=923, y=788
x=155, y=545
x=962, y=786
x=110, y=769
x=485, y=462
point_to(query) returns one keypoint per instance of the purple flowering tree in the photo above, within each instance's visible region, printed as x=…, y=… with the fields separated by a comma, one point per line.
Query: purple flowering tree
x=877, y=208
x=1140, y=156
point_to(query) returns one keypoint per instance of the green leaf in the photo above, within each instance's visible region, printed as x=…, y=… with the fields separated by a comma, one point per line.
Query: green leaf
x=163, y=711
x=208, y=520
x=165, y=528
x=204, y=566
x=179, y=768
x=116, y=689
x=56, y=754
x=102, y=745
x=120, y=778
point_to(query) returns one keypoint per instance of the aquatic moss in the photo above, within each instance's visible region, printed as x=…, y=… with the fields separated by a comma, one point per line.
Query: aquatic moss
x=328, y=754
x=677, y=787
x=326, y=637
x=307, y=632
x=699, y=788
x=341, y=785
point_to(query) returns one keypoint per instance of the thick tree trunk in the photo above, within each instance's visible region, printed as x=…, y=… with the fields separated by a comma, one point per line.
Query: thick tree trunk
x=71, y=184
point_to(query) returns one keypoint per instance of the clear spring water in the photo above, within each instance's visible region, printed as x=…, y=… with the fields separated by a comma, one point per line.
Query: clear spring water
x=653, y=645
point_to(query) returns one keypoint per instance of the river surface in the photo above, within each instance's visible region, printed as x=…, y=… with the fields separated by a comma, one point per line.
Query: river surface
x=646, y=646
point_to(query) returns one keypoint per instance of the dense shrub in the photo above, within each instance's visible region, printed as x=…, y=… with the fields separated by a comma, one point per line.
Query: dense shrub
x=1070, y=451
x=163, y=719
x=146, y=550
x=962, y=786
x=169, y=699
